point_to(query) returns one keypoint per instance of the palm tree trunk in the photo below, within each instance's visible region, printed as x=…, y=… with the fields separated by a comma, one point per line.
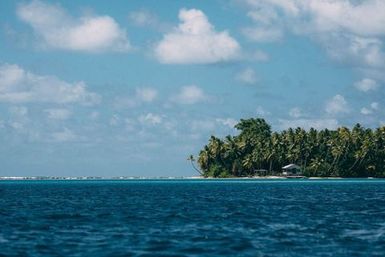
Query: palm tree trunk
x=270, y=166
x=195, y=168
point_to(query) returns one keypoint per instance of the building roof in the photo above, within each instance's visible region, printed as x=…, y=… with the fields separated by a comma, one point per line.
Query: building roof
x=291, y=166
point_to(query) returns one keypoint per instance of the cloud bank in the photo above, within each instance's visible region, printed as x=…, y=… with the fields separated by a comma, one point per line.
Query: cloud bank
x=20, y=86
x=350, y=31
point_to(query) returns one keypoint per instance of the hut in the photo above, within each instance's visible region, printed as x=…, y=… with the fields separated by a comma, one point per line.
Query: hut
x=291, y=170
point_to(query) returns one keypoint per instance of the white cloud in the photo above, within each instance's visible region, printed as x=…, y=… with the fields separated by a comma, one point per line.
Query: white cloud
x=142, y=18
x=374, y=105
x=263, y=34
x=350, y=31
x=18, y=111
x=150, y=118
x=261, y=56
x=353, y=50
x=20, y=86
x=141, y=95
x=228, y=122
x=267, y=27
x=114, y=120
x=65, y=135
x=309, y=123
x=366, y=85
x=366, y=111
x=369, y=110
x=295, y=112
x=58, y=114
x=202, y=125
x=94, y=115
x=336, y=105
x=190, y=95
x=57, y=29
x=260, y=111
x=325, y=15
x=145, y=18
x=125, y=102
x=365, y=18
x=19, y=120
x=196, y=41
x=129, y=124
x=19, y=126
x=262, y=13
x=247, y=76
x=146, y=94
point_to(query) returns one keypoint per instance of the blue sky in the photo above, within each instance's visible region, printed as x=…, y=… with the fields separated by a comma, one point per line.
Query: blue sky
x=132, y=88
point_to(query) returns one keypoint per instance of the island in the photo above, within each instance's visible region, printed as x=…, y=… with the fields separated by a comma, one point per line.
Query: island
x=258, y=151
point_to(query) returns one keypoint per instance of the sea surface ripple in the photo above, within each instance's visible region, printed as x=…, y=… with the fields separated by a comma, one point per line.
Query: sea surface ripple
x=193, y=218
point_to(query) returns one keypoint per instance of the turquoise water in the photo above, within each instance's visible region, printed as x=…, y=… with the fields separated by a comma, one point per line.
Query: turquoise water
x=193, y=218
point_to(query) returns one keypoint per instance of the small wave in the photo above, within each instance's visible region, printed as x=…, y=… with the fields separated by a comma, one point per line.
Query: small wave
x=366, y=234
x=3, y=240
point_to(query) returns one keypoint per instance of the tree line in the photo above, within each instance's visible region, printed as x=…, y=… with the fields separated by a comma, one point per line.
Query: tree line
x=256, y=150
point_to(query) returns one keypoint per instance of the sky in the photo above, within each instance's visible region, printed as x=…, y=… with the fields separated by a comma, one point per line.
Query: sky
x=132, y=88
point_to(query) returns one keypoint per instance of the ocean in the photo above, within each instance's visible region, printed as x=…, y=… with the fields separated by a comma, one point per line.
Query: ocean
x=193, y=218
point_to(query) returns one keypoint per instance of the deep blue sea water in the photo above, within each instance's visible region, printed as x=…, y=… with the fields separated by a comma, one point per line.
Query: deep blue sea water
x=193, y=218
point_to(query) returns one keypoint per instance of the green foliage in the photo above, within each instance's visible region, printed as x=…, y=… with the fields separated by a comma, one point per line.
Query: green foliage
x=357, y=152
x=217, y=171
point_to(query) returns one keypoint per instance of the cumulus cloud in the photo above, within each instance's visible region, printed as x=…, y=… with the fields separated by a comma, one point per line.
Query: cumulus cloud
x=375, y=105
x=366, y=111
x=260, y=56
x=57, y=29
x=114, y=120
x=19, y=121
x=145, y=18
x=324, y=15
x=353, y=50
x=350, y=31
x=20, y=86
x=369, y=110
x=146, y=94
x=190, y=95
x=247, y=76
x=150, y=119
x=66, y=135
x=228, y=122
x=263, y=34
x=58, y=114
x=337, y=105
x=202, y=125
x=195, y=40
x=260, y=111
x=94, y=115
x=142, y=18
x=18, y=111
x=366, y=85
x=141, y=95
x=295, y=112
x=347, y=15
x=309, y=123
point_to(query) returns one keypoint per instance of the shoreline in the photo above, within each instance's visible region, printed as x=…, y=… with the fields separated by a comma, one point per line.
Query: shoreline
x=122, y=178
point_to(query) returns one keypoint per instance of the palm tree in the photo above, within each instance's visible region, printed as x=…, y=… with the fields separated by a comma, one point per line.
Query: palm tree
x=247, y=163
x=192, y=160
x=204, y=160
x=341, y=152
